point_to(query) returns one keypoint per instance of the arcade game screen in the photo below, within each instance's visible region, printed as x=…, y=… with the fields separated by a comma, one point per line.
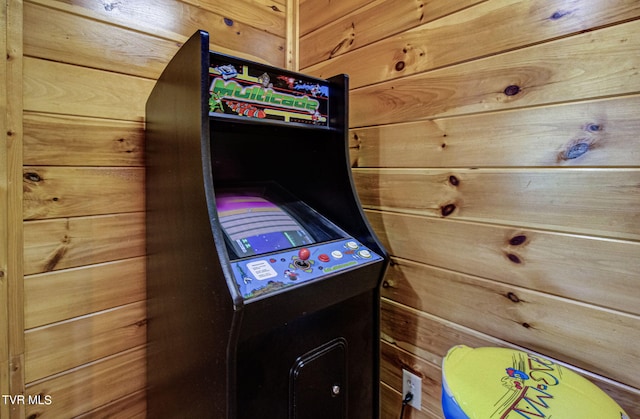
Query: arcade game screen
x=276, y=241
x=255, y=225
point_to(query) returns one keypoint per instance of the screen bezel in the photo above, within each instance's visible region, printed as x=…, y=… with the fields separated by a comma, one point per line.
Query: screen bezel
x=316, y=225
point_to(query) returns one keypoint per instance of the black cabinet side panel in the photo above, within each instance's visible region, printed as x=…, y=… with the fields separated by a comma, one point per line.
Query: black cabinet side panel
x=189, y=307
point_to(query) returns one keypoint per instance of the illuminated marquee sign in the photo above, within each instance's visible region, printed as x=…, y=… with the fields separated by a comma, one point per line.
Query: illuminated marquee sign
x=254, y=92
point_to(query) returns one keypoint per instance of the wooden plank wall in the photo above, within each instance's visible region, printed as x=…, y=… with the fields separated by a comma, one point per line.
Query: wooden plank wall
x=5, y=341
x=11, y=261
x=88, y=69
x=495, y=149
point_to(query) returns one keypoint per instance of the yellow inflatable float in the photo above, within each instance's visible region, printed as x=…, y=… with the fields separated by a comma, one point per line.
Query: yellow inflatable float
x=499, y=383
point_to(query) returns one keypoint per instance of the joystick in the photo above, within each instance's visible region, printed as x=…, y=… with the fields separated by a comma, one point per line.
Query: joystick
x=303, y=256
x=304, y=253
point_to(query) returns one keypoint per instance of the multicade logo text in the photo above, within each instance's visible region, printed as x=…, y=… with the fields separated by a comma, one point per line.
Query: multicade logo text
x=232, y=89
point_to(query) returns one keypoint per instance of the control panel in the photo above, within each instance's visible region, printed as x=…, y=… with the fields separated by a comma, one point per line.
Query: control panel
x=264, y=274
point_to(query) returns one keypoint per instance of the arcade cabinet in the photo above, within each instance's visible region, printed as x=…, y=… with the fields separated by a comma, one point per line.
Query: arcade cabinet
x=263, y=273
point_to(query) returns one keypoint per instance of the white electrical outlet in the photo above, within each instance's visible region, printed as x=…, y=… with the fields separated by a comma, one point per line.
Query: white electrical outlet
x=412, y=383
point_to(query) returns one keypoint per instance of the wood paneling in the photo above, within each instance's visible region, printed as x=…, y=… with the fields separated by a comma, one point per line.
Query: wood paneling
x=558, y=264
x=425, y=335
x=600, y=202
x=559, y=71
x=258, y=35
x=53, y=192
x=393, y=360
x=162, y=17
x=392, y=404
x=79, y=141
x=293, y=35
x=490, y=28
x=60, y=36
x=88, y=70
x=51, y=87
x=65, y=243
x=542, y=96
x=401, y=325
x=57, y=347
x=557, y=327
x=267, y=16
x=318, y=13
x=495, y=149
x=91, y=385
x=82, y=290
x=133, y=406
x=5, y=220
x=377, y=20
x=11, y=285
x=593, y=133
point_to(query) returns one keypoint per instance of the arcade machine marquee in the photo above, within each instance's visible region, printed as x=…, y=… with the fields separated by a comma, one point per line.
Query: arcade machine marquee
x=263, y=274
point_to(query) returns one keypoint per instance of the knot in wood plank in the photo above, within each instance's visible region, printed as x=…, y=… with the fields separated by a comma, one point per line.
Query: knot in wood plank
x=518, y=240
x=511, y=296
x=447, y=210
x=110, y=6
x=55, y=258
x=576, y=150
x=512, y=90
x=514, y=258
x=559, y=14
x=32, y=177
x=593, y=127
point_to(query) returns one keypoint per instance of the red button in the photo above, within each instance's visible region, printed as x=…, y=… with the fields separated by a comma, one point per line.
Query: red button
x=323, y=258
